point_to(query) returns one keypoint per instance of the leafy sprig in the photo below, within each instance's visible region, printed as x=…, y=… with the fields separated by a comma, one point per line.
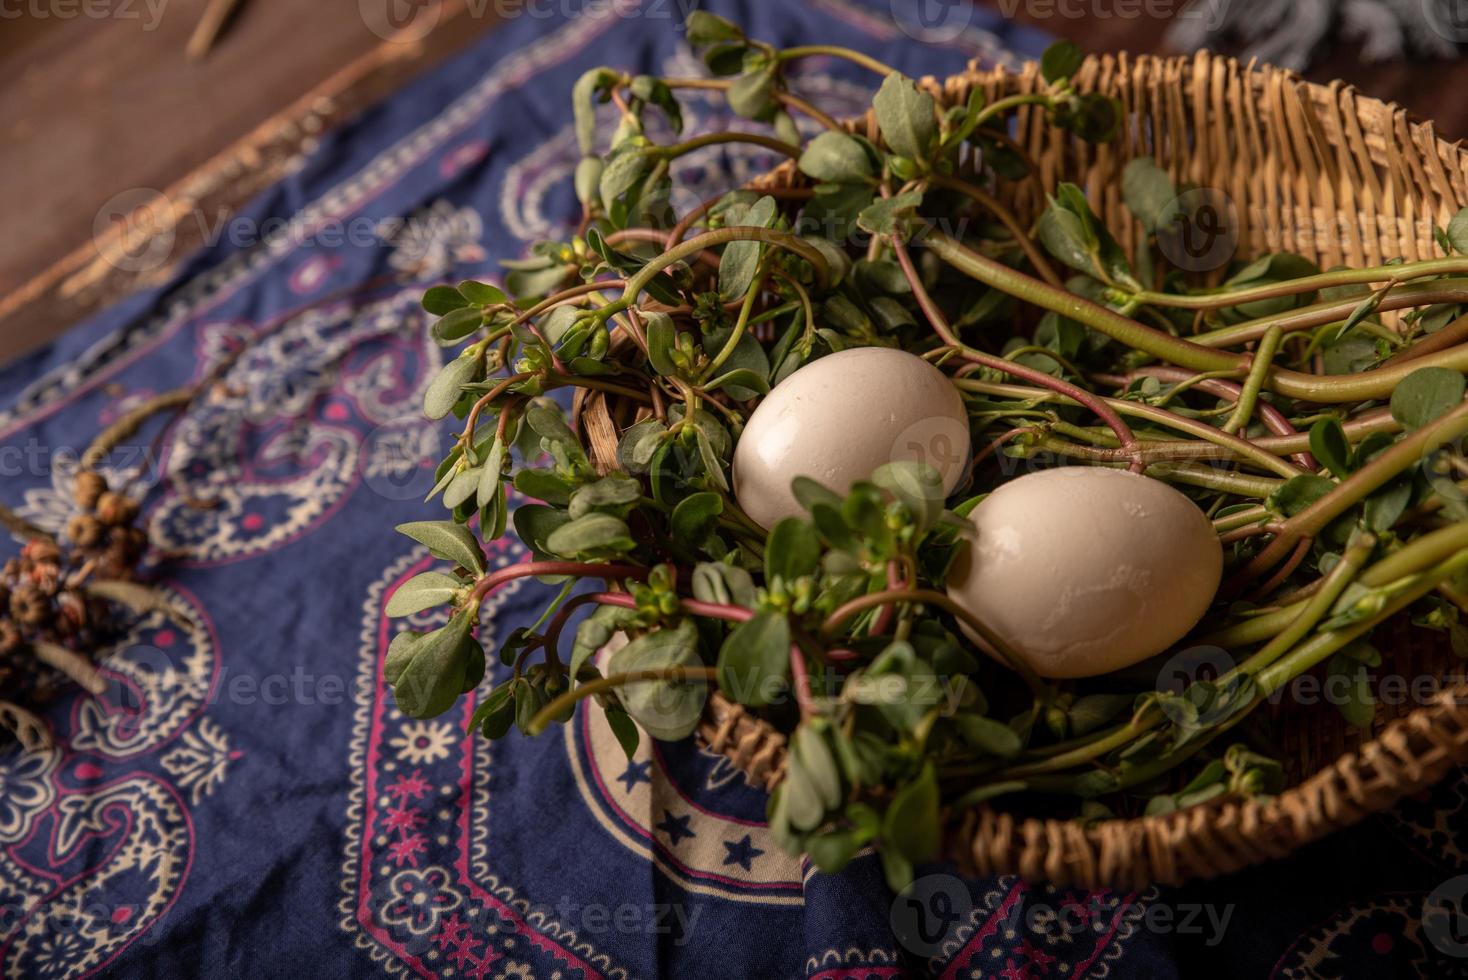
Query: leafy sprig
x=1316, y=416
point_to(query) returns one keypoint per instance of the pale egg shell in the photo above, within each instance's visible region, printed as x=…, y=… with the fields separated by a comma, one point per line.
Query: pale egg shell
x=1087, y=570
x=839, y=418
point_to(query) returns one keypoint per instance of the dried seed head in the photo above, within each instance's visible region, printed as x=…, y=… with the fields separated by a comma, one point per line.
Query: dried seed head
x=85, y=531
x=10, y=638
x=89, y=488
x=30, y=606
x=115, y=509
x=40, y=552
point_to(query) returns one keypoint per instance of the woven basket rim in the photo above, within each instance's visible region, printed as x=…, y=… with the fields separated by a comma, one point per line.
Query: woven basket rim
x=1309, y=130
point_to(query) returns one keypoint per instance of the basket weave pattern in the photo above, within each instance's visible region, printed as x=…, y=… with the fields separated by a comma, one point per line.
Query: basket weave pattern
x=1316, y=170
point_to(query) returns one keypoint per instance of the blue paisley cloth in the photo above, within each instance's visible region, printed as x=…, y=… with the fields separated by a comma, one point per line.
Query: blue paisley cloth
x=245, y=800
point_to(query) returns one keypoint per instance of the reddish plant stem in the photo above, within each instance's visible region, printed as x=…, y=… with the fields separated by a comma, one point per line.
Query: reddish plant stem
x=1082, y=397
x=488, y=583
x=1272, y=418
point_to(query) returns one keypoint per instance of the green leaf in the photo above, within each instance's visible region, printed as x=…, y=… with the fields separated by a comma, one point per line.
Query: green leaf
x=494, y=715
x=726, y=585
x=432, y=679
x=544, y=485
x=1349, y=685
x=667, y=710
x=754, y=661
x=534, y=523
x=638, y=444
x=589, y=88
x=662, y=338
x=447, y=540
x=1458, y=232
x=917, y=486
x=752, y=95
x=443, y=300
x=740, y=261
x=588, y=179
x=695, y=517
x=793, y=551
x=423, y=592
x=1329, y=446
x=623, y=171
x=706, y=28
x=461, y=487
x=833, y=850
x=613, y=491
x=991, y=736
x=837, y=157
x=400, y=653
x=742, y=379
x=963, y=119
x=1147, y=190
x=1061, y=60
x=654, y=91
x=814, y=752
x=443, y=392
x=1064, y=236
x=1299, y=493
x=622, y=726
x=886, y=215
x=905, y=117
x=457, y=325
x=910, y=825
x=490, y=473
x=481, y=293
x=593, y=535
x=1426, y=394
x=1384, y=507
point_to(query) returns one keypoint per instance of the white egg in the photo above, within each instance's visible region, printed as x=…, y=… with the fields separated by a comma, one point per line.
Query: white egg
x=839, y=418
x=1087, y=570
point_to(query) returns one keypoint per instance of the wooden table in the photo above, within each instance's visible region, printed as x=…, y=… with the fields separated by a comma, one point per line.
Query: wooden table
x=95, y=108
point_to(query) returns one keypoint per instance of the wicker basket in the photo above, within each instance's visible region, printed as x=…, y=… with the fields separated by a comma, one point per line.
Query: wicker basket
x=1312, y=169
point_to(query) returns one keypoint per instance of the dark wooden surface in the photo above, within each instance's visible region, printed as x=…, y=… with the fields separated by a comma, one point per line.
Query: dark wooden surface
x=97, y=107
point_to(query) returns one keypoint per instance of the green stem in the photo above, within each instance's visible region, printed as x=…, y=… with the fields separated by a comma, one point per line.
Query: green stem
x=855, y=57
x=1409, y=559
x=1258, y=370
x=1224, y=297
x=558, y=705
x=1315, y=607
x=728, y=136
x=709, y=239
x=1379, y=383
x=1010, y=102
x=740, y=325
x=1361, y=484
x=1335, y=311
x=1243, y=448
x=1307, y=655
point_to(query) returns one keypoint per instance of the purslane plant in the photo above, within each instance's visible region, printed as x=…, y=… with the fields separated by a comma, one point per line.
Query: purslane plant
x=1321, y=436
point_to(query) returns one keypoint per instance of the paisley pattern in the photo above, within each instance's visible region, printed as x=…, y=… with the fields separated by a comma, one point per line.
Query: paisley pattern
x=95, y=840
